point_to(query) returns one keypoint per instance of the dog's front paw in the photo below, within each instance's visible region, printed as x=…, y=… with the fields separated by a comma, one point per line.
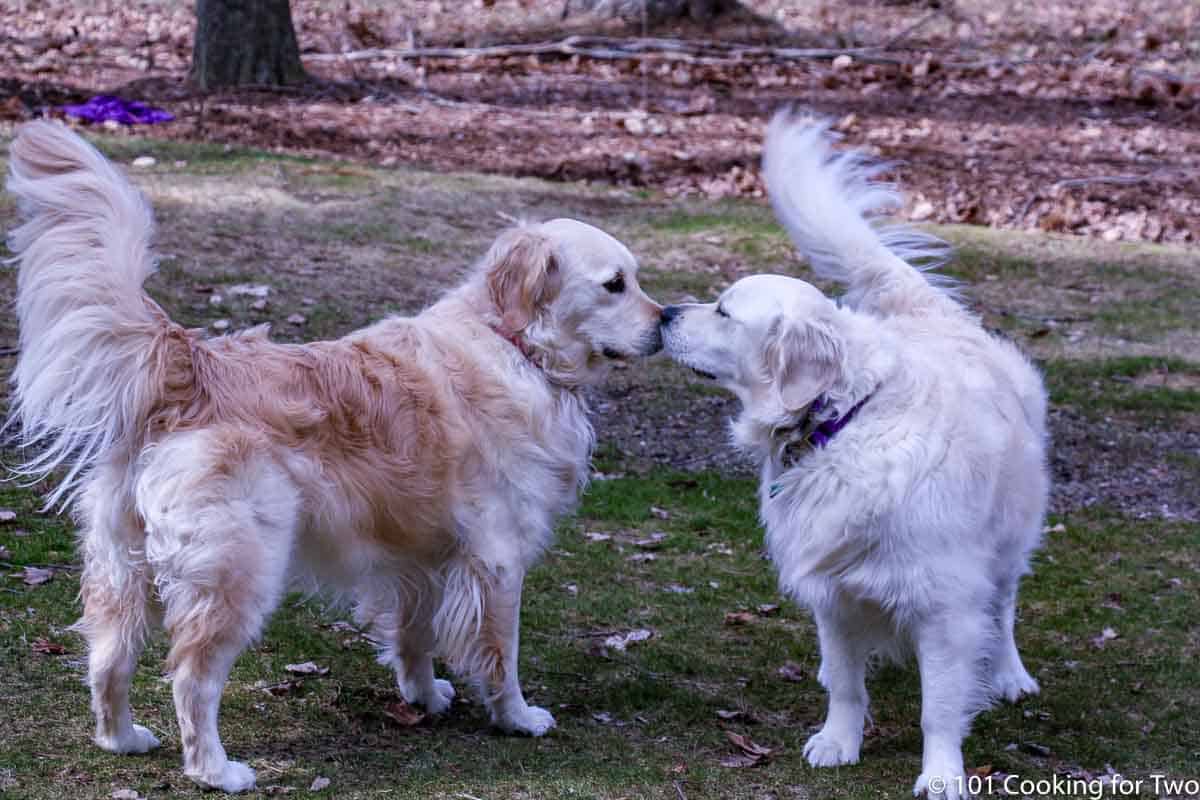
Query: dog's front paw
x=825, y=750
x=137, y=739
x=232, y=776
x=938, y=784
x=530, y=720
x=1013, y=684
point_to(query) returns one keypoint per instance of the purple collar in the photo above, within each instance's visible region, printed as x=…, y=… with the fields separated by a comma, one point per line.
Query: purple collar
x=823, y=433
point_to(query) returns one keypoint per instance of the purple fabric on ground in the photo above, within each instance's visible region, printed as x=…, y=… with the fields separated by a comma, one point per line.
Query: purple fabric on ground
x=127, y=112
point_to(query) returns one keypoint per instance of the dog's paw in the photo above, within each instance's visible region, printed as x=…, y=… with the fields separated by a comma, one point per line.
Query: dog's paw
x=232, y=776
x=1013, y=684
x=825, y=750
x=530, y=720
x=137, y=739
x=942, y=784
x=434, y=698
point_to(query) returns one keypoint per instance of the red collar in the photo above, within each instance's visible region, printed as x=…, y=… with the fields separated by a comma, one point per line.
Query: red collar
x=516, y=340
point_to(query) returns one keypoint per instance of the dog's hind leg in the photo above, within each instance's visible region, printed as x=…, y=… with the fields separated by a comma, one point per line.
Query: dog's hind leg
x=949, y=647
x=478, y=629
x=844, y=653
x=221, y=522
x=116, y=615
x=402, y=620
x=1009, y=679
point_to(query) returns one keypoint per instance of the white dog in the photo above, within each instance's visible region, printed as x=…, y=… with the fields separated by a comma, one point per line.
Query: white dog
x=902, y=451
x=416, y=466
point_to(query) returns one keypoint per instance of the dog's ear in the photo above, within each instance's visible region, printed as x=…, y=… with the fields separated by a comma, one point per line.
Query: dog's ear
x=803, y=359
x=522, y=276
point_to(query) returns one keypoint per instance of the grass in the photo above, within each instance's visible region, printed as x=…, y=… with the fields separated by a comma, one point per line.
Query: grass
x=359, y=243
x=634, y=724
x=1163, y=388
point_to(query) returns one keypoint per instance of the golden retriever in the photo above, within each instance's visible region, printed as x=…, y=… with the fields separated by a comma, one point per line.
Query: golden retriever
x=902, y=452
x=415, y=467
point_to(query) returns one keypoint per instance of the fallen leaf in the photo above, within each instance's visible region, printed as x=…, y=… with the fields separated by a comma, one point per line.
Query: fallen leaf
x=621, y=641
x=675, y=588
x=249, y=290
x=7, y=515
x=1036, y=749
x=48, y=647
x=35, y=576
x=282, y=688
x=981, y=771
x=652, y=542
x=571, y=589
x=793, y=672
x=661, y=513
x=403, y=714
x=220, y=325
x=767, y=610
x=739, y=618
x=4, y=554
x=749, y=754
x=678, y=769
x=125, y=794
x=736, y=715
x=297, y=319
x=603, y=717
x=318, y=784
x=307, y=668
x=1059, y=528
x=1106, y=635
x=636, y=557
x=593, y=536
x=143, y=162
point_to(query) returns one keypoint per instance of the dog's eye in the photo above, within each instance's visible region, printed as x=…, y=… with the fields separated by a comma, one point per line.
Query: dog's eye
x=617, y=284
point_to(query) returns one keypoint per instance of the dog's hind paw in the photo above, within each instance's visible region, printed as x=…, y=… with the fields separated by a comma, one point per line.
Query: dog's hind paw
x=824, y=750
x=137, y=739
x=232, y=776
x=435, y=698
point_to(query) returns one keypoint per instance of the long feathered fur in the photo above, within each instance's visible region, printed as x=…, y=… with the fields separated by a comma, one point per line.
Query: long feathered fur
x=828, y=199
x=85, y=378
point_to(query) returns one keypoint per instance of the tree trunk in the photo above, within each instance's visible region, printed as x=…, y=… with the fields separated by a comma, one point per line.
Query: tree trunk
x=245, y=43
x=657, y=10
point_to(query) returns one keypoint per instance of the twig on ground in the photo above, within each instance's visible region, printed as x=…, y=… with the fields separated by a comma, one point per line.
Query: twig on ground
x=679, y=791
x=1115, y=180
x=608, y=48
x=911, y=29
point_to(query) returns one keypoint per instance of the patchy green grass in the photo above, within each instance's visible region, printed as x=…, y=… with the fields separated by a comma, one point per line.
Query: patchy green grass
x=1162, y=388
x=637, y=723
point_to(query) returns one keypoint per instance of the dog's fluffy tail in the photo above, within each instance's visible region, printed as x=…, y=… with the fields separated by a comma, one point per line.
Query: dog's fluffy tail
x=90, y=338
x=827, y=199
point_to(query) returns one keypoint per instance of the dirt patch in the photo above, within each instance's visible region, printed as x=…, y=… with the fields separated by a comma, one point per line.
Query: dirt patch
x=1162, y=379
x=1067, y=116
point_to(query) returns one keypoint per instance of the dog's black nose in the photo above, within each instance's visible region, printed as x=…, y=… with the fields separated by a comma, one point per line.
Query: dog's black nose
x=669, y=313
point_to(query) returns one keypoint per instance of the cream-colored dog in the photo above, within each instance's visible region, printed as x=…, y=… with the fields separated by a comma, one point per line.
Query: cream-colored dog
x=902, y=453
x=415, y=467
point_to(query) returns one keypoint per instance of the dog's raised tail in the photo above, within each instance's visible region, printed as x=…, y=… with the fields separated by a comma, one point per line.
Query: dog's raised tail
x=90, y=340
x=827, y=201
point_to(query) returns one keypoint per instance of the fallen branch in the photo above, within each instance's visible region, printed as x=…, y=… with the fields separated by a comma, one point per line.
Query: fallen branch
x=1114, y=180
x=608, y=48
